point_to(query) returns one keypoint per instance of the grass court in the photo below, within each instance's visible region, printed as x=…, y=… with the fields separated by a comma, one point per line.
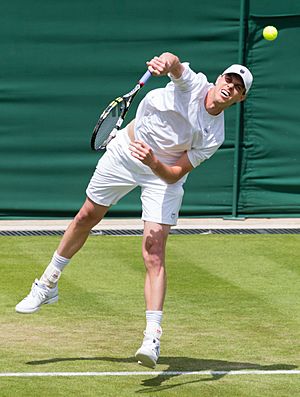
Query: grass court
x=232, y=305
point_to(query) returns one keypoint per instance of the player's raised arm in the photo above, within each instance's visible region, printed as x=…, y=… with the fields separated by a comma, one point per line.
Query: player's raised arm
x=164, y=64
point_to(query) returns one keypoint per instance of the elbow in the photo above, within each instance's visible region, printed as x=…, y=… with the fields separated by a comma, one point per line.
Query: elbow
x=172, y=179
x=175, y=176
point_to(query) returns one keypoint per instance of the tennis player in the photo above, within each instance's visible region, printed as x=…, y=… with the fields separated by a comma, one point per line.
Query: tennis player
x=176, y=128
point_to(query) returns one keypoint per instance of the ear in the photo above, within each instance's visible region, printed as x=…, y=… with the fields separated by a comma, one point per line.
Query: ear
x=243, y=97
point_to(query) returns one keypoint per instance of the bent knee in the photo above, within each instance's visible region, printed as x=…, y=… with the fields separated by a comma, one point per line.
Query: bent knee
x=85, y=218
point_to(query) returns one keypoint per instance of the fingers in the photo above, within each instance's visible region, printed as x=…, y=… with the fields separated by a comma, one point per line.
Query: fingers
x=140, y=150
x=158, y=66
x=164, y=64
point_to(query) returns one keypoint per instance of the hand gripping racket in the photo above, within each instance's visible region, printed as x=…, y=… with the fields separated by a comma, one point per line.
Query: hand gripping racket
x=113, y=116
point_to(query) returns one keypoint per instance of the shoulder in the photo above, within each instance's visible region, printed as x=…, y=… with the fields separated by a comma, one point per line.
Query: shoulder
x=189, y=80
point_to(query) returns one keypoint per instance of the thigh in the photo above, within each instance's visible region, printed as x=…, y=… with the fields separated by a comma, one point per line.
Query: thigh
x=112, y=178
x=108, y=192
x=161, y=202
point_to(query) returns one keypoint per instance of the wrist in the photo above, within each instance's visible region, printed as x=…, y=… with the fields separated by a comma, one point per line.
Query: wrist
x=154, y=164
x=177, y=68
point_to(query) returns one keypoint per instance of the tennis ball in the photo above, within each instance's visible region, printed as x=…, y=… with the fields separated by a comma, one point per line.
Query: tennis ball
x=270, y=33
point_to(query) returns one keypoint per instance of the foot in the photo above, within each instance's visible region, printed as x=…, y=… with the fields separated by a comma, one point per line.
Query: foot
x=39, y=295
x=147, y=355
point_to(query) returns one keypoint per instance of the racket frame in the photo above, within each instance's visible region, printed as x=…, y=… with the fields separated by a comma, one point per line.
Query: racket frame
x=127, y=99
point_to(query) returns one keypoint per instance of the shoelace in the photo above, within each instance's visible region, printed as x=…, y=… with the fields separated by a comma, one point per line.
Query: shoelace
x=35, y=291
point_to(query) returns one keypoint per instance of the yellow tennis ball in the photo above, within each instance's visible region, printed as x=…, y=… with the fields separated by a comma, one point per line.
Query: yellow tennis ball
x=270, y=33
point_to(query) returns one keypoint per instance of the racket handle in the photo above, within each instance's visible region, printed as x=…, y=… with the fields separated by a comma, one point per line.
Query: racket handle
x=143, y=80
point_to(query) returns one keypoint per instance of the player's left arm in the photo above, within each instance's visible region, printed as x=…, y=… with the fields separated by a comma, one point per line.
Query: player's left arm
x=169, y=173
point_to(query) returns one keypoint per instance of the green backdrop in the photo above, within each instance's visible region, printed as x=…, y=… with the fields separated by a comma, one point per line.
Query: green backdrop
x=61, y=61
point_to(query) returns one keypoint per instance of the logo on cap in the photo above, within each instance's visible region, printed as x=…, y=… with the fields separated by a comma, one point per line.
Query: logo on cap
x=242, y=71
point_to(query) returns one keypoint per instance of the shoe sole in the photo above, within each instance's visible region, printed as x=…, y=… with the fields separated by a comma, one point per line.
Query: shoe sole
x=48, y=302
x=145, y=360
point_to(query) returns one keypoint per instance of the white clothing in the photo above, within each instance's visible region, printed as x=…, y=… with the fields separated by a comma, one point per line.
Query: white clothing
x=118, y=172
x=173, y=120
x=170, y=120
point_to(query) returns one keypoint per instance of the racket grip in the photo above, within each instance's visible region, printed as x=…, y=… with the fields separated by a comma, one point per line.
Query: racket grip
x=143, y=80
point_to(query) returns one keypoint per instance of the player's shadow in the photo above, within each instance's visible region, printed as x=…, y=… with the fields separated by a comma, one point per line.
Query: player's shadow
x=177, y=364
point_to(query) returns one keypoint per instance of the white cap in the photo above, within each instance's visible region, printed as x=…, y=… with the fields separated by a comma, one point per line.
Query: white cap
x=242, y=71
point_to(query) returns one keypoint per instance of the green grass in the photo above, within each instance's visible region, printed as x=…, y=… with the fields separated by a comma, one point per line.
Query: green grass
x=232, y=303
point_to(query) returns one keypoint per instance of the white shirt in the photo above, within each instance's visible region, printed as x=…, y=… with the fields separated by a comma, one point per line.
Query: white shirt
x=173, y=120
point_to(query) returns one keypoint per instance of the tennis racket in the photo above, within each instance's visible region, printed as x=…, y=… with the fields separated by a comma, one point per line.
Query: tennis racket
x=113, y=116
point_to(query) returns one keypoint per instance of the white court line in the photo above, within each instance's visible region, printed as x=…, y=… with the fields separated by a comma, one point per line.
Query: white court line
x=152, y=373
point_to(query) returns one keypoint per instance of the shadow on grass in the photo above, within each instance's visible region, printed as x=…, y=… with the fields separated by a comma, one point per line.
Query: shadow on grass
x=177, y=364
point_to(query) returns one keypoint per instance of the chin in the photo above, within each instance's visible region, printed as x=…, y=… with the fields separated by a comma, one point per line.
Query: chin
x=224, y=101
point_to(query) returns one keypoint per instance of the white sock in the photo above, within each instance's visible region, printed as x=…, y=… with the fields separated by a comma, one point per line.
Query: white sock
x=53, y=271
x=59, y=261
x=154, y=319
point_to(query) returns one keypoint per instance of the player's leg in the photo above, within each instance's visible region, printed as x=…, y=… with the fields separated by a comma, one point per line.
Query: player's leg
x=154, y=245
x=45, y=290
x=161, y=204
x=73, y=239
x=109, y=183
x=153, y=249
x=78, y=231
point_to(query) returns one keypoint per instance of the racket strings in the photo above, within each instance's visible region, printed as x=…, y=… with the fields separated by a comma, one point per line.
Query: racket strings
x=106, y=126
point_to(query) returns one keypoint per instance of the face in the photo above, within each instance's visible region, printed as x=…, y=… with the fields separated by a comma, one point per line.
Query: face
x=229, y=89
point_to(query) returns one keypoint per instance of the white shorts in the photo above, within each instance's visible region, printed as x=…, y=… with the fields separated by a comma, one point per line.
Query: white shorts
x=118, y=172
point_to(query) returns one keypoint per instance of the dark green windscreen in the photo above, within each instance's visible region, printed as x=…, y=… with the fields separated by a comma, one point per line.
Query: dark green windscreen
x=62, y=61
x=270, y=181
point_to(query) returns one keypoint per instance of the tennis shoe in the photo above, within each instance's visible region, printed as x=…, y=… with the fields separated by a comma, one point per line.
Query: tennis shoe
x=38, y=296
x=148, y=354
